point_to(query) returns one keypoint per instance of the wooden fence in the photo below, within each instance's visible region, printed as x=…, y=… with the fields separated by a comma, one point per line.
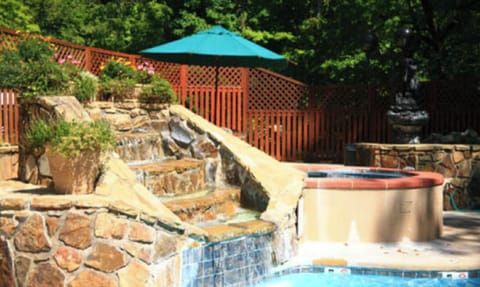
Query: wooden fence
x=314, y=135
x=8, y=117
x=285, y=118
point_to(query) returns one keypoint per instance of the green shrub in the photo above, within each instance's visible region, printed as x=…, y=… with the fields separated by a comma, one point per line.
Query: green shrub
x=158, y=91
x=145, y=73
x=30, y=68
x=39, y=134
x=85, y=87
x=118, y=89
x=71, y=138
x=34, y=48
x=117, y=69
x=10, y=68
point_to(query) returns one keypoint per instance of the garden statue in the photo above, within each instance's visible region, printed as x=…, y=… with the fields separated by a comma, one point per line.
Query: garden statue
x=405, y=114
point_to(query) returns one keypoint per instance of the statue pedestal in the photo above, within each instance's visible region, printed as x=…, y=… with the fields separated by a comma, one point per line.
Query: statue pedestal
x=405, y=133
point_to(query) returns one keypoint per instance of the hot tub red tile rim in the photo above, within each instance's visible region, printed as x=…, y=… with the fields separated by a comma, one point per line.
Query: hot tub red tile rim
x=419, y=179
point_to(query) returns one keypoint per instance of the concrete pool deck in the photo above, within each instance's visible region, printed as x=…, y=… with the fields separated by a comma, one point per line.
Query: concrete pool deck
x=457, y=249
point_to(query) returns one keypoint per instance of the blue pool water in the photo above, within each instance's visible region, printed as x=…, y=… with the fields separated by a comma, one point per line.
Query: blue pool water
x=354, y=280
x=356, y=174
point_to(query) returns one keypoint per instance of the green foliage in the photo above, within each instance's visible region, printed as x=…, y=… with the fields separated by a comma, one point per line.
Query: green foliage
x=15, y=14
x=39, y=134
x=117, y=69
x=30, y=67
x=117, y=79
x=158, y=91
x=34, y=48
x=10, y=68
x=118, y=89
x=85, y=87
x=71, y=138
x=322, y=37
x=145, y=73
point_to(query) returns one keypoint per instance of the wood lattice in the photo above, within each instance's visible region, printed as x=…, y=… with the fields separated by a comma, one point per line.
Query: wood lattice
x=100, y=58
x=71, y=54
x=168, y=71
x=354, y=97
x=205, y=76
x=8, y=39
x=271, y=91
x=450, y=95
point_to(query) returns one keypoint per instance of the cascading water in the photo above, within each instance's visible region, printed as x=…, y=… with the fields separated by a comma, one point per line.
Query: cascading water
x=238, y=262
x=136, y=148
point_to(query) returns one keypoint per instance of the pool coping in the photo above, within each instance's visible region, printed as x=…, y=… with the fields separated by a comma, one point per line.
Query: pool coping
x=353, y=270
x=417, y=179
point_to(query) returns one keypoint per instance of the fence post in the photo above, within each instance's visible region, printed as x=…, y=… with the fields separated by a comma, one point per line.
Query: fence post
x=183, y=83
x=88, y=59
x=244, y=86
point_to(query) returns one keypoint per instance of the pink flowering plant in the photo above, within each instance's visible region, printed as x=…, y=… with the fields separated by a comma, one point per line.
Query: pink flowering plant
x=84, y=84
x=145, y=72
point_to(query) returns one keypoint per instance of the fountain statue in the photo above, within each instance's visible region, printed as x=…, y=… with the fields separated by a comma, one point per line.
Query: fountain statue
x=405, y=115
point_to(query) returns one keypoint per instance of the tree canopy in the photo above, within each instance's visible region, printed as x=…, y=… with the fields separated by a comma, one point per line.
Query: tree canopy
x=323, y=39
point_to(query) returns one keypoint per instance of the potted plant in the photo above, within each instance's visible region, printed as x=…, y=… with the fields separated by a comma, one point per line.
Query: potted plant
x=73, y=150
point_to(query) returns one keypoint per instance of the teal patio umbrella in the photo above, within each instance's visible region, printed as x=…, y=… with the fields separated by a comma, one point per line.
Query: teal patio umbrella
x=216, y=47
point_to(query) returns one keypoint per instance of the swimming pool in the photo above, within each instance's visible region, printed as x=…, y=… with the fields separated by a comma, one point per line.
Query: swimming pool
x=347, y=277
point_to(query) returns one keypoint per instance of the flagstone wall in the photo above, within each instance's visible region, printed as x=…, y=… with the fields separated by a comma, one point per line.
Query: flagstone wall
x=8, y=162
x=47, y=242
x=459, y=164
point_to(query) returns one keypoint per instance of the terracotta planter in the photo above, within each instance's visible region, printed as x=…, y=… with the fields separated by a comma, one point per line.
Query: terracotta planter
x=74, y=175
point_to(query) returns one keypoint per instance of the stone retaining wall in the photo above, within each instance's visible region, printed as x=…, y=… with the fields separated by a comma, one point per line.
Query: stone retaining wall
x=133, y=236
x=266, y=185
x=8, y=162
x=44, y=244
x=459, y=164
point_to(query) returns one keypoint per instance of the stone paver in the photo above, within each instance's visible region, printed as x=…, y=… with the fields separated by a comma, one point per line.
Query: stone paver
x=457, y=249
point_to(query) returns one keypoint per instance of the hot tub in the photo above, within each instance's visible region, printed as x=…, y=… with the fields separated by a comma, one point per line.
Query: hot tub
x=357, y=204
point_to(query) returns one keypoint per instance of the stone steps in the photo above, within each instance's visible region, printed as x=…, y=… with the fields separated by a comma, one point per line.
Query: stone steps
x=173, y=177
x=226, y=231
x=219, y=204
x=182, y=188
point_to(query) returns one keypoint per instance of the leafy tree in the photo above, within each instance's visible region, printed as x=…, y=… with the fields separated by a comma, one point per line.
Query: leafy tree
x=450, y=33
x=323, y=38
x=66, y=20
x=14, y=14
x=129, y=26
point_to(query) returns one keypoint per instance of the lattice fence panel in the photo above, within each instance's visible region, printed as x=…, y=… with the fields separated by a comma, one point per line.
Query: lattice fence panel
x=8, y=39
x=100, y=58
x=381, y=96
x=452, y=95
x=270, y=91
x=205, y=76
x=348, y=97
x=70, y=54
x=355, y=97
x=168, y=71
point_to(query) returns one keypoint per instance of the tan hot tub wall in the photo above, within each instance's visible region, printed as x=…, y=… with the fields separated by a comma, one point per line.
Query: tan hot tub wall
x=336, y=215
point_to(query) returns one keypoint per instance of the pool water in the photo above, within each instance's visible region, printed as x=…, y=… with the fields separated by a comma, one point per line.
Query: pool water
x=354, y=280
x=356, y=174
